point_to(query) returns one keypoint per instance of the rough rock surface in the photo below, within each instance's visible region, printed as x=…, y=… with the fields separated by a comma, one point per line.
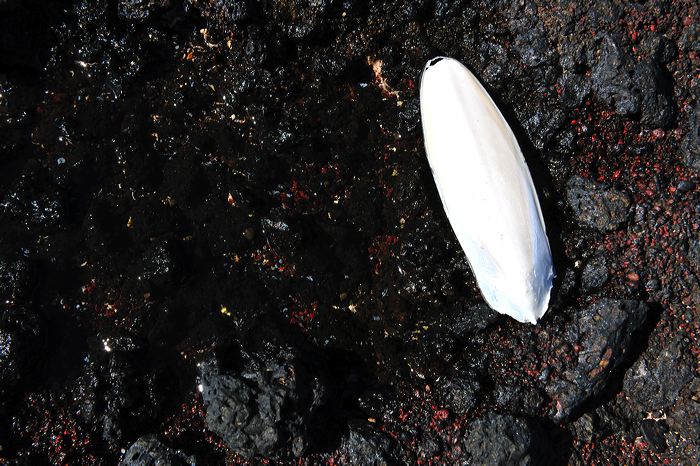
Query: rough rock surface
x=498, y=439
x=603, y=334
x=263, y=410
x=691, y=141
x=149, y=451
x=596, y=206
x=363, y=445
x=595, y=273
x=621, y=82
x=656, y=379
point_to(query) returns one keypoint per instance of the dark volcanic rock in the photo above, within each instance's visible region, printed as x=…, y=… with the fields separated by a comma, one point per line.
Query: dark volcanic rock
x=498, y=439
x=19, y=329
x=459, y=388
x=657, y=378
x=264, y=410
x=300, y=18
x=595, y=273
x=604, y=332
x=530, y=38
x=14, y=279
x=474, y=319
x=366, y=446
x=691, y=141
x=684, y=421
x=596, y=206
x=159, y=265
x=226, y=11
x=543, y=125
x=630, y=87
x=8, y=361
x=139, y=9
x=34, y=204
x=149, y=451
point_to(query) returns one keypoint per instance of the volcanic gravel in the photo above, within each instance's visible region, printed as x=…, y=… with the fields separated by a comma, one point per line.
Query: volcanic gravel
x=221, y=243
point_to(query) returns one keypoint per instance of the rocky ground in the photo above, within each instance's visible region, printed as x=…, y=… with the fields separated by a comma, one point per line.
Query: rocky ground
x=220, y=240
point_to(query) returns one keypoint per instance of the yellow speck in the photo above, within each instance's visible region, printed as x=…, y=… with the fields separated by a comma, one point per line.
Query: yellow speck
x=371, y=419
x=225, y=311
x=395, y=172
x=352, y=307
x=130, y=223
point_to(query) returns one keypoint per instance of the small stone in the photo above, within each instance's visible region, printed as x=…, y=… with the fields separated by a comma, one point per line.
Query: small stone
x=595, y=273
x=657, y=378
x=264, y=411
x=364, y=445
x=596, y=206
x=604, y=331
x=149, y=451
x=498, y=439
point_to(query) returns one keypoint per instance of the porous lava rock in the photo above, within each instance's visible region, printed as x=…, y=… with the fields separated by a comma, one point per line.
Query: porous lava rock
x=595, y=205
x=603, y=332
x=149, y=451
x=498, y=439
x=265, y=409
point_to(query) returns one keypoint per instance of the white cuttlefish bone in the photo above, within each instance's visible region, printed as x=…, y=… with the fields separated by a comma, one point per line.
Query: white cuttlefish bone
x=486, y=190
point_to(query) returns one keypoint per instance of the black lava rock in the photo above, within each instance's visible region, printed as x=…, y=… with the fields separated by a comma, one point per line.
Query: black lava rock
x=610, y=78
x=160, y=264
x=459, y=388
x=14, y=279
x=631, y=88
x=543, y=125
x=300, y=18
x=530, y=39
x=519, y=400
x=139, y=9
x=367, y=446
x=596, y=206
x=604, y=333
x=8, y=361
x=225, y=11
x=691, y=140
x=575, y=88
x=498, y=439
x=19, y=332
x=149, y=451
x=657, y=378
x=34, y=204
x=473, y=319
x=263, y=411
x=595, y=273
